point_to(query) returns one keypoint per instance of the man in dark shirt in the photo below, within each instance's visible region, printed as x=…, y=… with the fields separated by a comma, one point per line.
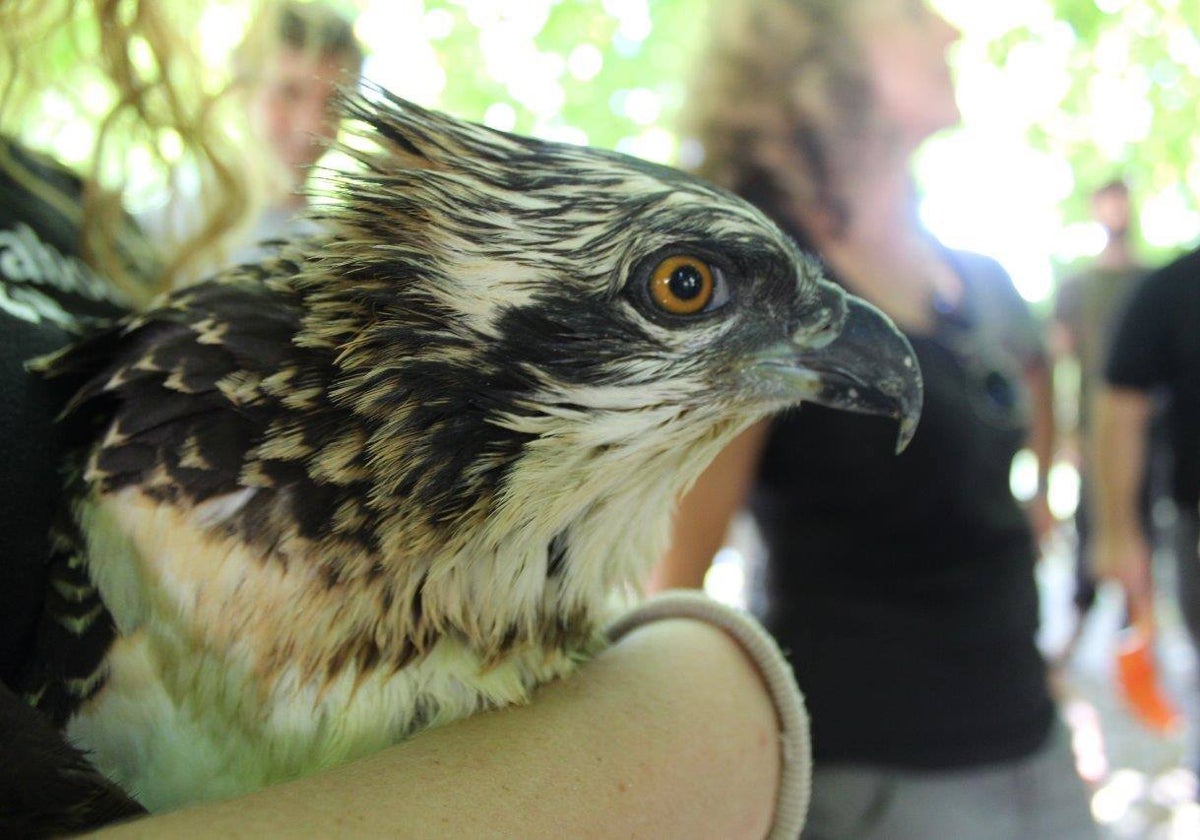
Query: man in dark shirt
x=1156, y=347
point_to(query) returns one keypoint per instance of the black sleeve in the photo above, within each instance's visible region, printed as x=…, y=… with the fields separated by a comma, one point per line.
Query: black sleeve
x=47, y=787
x=1027, y=332
x=1140, y=353
x=31, y=455
x=1018, y=329
x=48, y=295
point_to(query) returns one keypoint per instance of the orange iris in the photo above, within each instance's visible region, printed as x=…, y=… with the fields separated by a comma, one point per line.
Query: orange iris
x=682, y=285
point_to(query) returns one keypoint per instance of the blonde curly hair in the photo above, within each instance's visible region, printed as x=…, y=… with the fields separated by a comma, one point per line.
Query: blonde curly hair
x=126, y=82
x=780, y=102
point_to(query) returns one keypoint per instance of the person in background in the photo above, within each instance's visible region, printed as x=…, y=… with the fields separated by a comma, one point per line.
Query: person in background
x=901, y=586
x=292, y=63
x=601, y=752
x=1155, y=348
x=286, y=73
x=1085, y=309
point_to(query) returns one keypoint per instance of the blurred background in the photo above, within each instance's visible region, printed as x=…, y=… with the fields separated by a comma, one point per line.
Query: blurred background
x=1057, y=96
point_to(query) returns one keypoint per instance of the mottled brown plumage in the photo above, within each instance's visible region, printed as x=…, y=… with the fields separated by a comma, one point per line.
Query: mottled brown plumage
x=401, y=473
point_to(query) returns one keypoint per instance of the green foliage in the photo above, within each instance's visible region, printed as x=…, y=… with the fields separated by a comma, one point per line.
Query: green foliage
x=592, y=104
x=1132, y=101
x=1133, y=87
x=1132, y=92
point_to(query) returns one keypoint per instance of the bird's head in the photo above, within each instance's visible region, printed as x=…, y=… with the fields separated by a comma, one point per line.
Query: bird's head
x=553, y=341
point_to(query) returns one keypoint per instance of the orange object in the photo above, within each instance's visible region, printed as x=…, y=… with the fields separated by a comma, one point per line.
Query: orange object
x=1137, y=675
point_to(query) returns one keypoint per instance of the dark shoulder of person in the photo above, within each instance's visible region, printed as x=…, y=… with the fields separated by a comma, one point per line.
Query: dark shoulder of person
x=48, y=296
x=1157, y=331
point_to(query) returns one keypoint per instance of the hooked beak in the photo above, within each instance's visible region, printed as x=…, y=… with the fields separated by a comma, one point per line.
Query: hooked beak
x=856, y=360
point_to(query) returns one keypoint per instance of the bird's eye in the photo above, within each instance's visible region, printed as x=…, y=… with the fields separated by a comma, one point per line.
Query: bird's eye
x=685, y=285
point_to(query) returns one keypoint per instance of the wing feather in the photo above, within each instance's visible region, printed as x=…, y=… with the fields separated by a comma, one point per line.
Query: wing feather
x=159, y=399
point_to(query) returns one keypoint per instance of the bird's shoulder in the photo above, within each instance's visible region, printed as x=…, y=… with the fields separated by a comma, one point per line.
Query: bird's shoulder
x=177, y=399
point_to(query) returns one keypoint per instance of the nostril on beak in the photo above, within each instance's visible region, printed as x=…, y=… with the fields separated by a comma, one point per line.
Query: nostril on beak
x=821, y=330
x=816, y=336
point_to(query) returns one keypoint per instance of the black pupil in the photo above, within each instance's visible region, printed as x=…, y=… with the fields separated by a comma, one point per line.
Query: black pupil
x=686, y=282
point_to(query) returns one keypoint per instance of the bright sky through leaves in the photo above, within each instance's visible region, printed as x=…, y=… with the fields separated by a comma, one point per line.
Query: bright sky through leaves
x=1057, y=96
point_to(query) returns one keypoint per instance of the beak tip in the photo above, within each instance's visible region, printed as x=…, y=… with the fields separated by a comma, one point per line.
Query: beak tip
x=908, y=428
x=911, y=404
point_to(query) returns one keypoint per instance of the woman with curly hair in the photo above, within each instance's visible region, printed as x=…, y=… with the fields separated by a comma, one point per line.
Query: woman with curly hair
x=902, y=586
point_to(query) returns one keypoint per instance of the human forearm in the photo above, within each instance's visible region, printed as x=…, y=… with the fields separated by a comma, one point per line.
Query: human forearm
x=1043, y=435
x=1118, y=459
x=1043, y=432
x=669, y=733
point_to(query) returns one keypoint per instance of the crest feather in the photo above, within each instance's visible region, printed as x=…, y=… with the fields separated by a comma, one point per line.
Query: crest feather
x=419, y=138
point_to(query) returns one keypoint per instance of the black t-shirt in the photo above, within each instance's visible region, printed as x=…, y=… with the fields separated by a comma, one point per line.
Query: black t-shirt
x=47, y=295
x=902, y=587
x=1157, y=343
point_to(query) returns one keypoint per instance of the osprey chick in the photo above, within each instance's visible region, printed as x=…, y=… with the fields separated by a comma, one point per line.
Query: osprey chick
x=397, y=475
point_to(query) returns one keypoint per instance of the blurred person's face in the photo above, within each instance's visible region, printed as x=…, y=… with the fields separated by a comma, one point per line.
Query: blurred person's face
x=905, y=44
x=293, y=107
x=1111, y=209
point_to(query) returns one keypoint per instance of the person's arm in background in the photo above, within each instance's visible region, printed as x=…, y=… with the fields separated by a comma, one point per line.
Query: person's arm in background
x=1140, y=356
x=1026, y=337
x=1036, y=343
x=1064, y=344
x=1118, y=459
x=1043, y=436
x=704, y=513
x=669, y=733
